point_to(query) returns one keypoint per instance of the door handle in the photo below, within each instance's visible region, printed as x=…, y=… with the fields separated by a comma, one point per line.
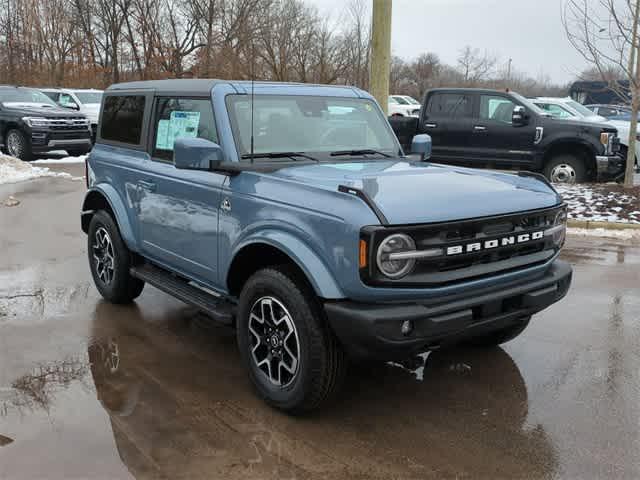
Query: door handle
x=148, y=186
x=480, y=128
x=430, y=125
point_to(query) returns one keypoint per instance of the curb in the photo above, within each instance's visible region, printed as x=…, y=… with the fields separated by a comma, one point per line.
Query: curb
x=592, y=225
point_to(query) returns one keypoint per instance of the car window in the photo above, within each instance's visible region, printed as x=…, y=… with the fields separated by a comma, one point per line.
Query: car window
x=52, y=95
x=65, y=99
x=89, y=97
x=449, y=105
x=292, y=123
x=401, y=101
x=179, y=118
x=122, y=118
x=393, y=100
x=496, y=108
x=607, y=112
x=555, y=110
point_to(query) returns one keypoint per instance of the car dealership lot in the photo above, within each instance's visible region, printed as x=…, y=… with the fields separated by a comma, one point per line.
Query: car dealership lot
x=92, y=390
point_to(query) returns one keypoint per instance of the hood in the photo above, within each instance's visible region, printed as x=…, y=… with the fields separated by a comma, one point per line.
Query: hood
x=418, y=192
x=583, y=122
x=35, y=109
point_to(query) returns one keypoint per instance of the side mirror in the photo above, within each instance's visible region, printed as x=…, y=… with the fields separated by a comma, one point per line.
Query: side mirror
x=421, y=144
x=196, y=154
x=519, y=116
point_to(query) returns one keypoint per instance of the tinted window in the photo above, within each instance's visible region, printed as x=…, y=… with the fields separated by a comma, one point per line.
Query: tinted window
x=449, y=105
x=496, y=108
x=122, y=119
x=178, y=118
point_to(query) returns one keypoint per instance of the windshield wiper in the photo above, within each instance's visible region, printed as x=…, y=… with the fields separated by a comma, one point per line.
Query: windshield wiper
x=292, y=155
x=366, y=151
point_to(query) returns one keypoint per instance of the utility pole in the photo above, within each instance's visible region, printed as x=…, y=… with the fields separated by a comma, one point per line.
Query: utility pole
x=381, y=52
x=634, y=72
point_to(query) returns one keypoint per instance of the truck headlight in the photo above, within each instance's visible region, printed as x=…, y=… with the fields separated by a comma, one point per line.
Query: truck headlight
x=558, y=231
x=35, y=121
x=395, y=268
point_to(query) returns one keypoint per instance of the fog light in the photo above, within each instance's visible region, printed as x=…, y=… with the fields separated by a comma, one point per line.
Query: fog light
x=407, y=327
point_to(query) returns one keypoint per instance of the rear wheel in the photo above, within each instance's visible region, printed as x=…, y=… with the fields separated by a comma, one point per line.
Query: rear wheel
x=18, y=145
x=294, y=360
x=566, y=168
x=503, y=335
x=110, y=261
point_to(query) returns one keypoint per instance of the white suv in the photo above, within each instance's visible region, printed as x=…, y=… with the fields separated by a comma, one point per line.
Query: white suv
x=86, y=101
x=403, y=106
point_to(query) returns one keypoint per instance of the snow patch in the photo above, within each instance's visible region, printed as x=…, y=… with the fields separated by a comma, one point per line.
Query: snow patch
x=627, y=234
x=600, y=203
x=63, y=160
x=13, y=170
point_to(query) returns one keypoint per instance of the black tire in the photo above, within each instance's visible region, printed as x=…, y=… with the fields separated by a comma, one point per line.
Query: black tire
x=118, y=286
x=567, y=166
x=18, y=145
x=498, y=337
x=321, y=362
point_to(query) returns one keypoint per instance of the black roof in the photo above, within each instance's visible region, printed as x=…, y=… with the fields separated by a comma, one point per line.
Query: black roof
x=192, y=85
x=470, y=90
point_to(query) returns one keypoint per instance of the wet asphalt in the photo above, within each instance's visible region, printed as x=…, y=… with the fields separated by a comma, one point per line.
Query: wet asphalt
x=154, y=390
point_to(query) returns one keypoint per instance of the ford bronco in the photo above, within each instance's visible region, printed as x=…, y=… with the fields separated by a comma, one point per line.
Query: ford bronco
x=290, y=212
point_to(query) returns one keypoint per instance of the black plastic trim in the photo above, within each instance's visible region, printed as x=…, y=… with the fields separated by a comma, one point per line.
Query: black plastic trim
x=362, y=195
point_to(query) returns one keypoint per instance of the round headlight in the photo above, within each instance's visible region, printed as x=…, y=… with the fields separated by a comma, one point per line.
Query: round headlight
x=398, y=242
x=561, y=217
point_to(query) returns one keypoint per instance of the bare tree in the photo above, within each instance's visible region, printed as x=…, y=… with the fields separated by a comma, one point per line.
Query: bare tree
x=474, y=65
x=605, y=33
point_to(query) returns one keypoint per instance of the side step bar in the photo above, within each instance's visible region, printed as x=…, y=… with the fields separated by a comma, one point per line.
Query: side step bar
x=219, y=309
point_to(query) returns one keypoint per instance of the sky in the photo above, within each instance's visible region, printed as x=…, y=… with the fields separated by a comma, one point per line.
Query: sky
x=528, y=31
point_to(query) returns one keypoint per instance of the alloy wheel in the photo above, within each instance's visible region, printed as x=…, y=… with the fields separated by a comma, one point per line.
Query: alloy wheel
x=274, y=343
x=15, y=144
x=103, y=256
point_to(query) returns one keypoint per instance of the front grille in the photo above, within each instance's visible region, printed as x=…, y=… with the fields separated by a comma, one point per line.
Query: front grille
x=466, y=261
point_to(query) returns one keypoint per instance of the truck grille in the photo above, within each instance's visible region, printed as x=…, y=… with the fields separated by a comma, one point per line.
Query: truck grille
x=471, y=248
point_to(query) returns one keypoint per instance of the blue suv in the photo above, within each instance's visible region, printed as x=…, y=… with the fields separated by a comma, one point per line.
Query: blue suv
x=291, y=212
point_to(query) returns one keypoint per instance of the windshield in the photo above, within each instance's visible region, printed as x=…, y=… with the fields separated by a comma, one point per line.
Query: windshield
x=89, y=97
x=286, y=123
x=25, y=95
x=581, y=109
x=529, y=104
x=401, y=100
x=411, y=100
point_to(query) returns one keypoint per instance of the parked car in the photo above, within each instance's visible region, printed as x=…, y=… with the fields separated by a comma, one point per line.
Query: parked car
x=403, y=106
x=480, y=128
x=310, y=231
x=609, y=111
x=87, y=101
x=31, y=123
x=568, y=108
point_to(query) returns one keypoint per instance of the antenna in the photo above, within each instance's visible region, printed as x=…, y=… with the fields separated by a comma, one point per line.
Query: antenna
x=252, y=82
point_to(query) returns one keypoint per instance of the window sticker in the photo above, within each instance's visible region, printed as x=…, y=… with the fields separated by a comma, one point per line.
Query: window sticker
x=180, y=125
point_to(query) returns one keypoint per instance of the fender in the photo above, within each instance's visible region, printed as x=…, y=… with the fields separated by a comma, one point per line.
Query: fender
x=321, y=279
x=119, y=210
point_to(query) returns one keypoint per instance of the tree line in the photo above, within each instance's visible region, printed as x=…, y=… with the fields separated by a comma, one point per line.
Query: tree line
x=93, y=43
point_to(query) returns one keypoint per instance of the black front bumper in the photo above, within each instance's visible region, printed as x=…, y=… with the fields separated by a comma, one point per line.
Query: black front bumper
x=610, y=167
x=48, y=140
x=374, y=330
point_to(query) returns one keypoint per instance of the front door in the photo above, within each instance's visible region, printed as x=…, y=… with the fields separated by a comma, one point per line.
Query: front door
x=494, y=138
x=447, y=119
x=178, y=209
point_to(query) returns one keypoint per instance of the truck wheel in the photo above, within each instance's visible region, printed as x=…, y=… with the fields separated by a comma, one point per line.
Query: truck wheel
x=294, y=360
x=497, y=337
x=18, y=146
x=110, y=260
x=566, y=169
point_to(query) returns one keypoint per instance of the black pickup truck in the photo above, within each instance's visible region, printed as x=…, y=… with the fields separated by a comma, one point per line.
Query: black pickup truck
x=31, y=123
x=491, y=128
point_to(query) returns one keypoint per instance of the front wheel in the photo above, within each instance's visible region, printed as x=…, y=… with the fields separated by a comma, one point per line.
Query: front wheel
x=294, y=360
x=566, y=169
x=497, y=337
x=18, y=145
